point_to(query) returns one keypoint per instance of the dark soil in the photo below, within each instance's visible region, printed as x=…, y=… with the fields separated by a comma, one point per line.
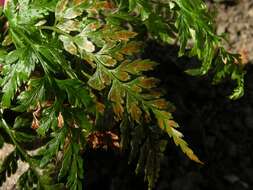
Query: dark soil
x=235, y=19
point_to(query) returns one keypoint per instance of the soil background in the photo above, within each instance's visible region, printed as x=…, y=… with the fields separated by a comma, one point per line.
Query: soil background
x=218, y=129
x=235, y=19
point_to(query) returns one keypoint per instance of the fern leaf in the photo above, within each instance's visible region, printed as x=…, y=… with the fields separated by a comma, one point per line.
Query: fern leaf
x=166, y=123
x=128, y=87
x=18, y=69
x=53, y=146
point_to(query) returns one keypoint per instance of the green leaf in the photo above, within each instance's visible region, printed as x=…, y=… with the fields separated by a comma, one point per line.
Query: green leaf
x=143, y=7
x=47, y=121
x=7, y=40
x=239, y=90
x=13, y=56
x=74, y=180
x=30, y=178
x=53, y=146
x=16, y=74
x=72, y=164
x=3, y=54
x=66, y=162
x=26, y=12
x=23, y=121
x=132, y=4
x=77, y=93
x=81, y=118
x=194, y=72
x=36, y=94
x=77, y=54
x=1, y=142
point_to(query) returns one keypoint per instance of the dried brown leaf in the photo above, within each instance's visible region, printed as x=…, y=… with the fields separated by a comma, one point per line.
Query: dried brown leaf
x=60, y=120
x=35, y=123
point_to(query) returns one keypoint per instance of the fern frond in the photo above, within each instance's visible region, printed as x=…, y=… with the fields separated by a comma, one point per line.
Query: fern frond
x=64, y=62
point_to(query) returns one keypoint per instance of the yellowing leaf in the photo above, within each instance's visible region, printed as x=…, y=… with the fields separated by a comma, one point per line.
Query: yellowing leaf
x=138, y=66
x=91, y=27
x=165, y=124
x=133, y=109
x=76, y=2
x=77, y=9
x=123, y=35
x=105, y=78
x=154, y=94
x=121, y=73
x=118, y=56
x=107, y=60
x=100, y=107
x=131, y=48
x=135, y=112
x=135, y=88
x=103, y=5
x=96, y=82
x=60, y=7
x=118, y=110
x=123, y=76
x=72, y=13
x=69, y=26
x=161, y=104
x=7, y=40
x=68, y=44
x=147, y=83
x=176, y=132
x=84, y=44
x=116, y=93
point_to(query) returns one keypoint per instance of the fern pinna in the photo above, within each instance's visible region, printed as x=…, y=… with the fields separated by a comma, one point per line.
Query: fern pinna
x=67, y=64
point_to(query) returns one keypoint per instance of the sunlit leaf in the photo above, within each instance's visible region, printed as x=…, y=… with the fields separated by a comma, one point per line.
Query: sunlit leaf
x=68, y=44
x=84, y=44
